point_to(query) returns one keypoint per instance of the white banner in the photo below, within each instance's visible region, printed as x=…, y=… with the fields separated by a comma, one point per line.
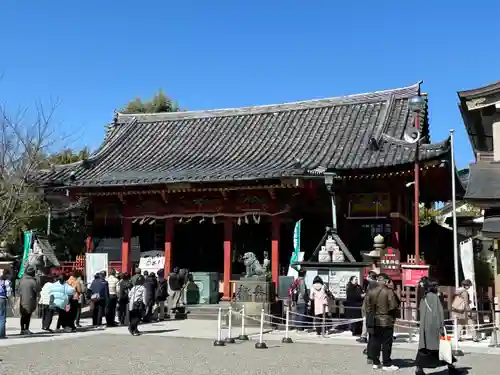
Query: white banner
x=467, y=260
x=94, y=263
x=152, y=261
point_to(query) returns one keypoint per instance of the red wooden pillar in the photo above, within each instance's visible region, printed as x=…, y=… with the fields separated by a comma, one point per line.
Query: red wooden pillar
x=169, y=239
x=275, y=250
x=228, y=239
x=127, y=236
x=89, y=244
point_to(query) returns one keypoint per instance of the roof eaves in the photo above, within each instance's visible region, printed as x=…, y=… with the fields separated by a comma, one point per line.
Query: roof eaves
x=490, y=89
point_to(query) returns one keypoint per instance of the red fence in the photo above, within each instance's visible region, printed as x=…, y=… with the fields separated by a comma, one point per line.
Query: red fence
x=79, y=265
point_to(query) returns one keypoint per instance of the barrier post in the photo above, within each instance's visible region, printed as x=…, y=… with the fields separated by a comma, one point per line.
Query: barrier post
x=323, y=323
x=261, y=344
x=410, y=334
x=219, y=341
x=287, y=339
x=495, y=317
x=243, y=336
x=229, y=339
x=456, y=352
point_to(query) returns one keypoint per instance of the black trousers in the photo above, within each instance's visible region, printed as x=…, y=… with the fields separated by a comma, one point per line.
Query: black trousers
x=25, y=319
x=47, y=316
x=111, y=310
x=78, y=314
x=73, y=309
x=380, y=339
x=63, y=319
x=98, y=309
x=148, y=315
x=122, y=310
x=134, y=319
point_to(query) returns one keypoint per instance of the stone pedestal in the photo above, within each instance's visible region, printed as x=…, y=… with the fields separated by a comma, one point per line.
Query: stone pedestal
x=254, y=296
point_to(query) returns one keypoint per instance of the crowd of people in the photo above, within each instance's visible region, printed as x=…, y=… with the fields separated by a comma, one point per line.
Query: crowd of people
x=374, y=308
x=119, y=299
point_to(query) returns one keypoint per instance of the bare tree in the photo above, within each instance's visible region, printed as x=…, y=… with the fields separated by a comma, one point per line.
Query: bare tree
x=23, y=146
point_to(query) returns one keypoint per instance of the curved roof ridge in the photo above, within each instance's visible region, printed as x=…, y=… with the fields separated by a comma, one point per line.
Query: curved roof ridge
x=382, y=95
x=402, y=142
x=489, y=89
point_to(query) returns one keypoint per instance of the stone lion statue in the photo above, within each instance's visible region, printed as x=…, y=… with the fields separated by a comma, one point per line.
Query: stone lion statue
x=252, y=266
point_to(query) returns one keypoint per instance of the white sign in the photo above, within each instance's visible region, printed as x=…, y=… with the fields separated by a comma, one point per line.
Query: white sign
x=467, y=260
x=94, y=263
x=337, y=282
x=152, y=261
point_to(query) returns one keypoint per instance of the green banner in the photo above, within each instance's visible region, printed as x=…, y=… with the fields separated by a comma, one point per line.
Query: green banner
x=28, y=238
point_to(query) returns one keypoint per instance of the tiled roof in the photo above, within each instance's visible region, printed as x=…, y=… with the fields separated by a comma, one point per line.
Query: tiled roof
x=484, y=182
x=286, y=140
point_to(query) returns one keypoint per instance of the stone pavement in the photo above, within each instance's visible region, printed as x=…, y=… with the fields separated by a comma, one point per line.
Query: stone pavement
x=157, y=353
x=207, y=329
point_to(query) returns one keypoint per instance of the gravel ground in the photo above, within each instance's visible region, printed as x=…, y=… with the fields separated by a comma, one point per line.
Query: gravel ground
x=155, y=354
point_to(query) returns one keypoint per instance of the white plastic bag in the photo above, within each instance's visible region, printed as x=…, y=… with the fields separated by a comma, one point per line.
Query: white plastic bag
x=445, y=351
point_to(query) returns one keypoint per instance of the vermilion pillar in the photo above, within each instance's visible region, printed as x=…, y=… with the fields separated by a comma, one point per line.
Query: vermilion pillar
x=275, y=250
x=228, y=238
x=89, y=244
x=127, y=235
x=169, y=239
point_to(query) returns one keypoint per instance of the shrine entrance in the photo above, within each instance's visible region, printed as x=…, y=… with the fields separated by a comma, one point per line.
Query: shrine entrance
x=199, y=246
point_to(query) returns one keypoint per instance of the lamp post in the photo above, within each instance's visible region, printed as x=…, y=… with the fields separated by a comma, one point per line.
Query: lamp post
x=329, y=179
x=417, y=104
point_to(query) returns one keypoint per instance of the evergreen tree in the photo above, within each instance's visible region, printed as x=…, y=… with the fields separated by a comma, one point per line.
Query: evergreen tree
x=158, y=104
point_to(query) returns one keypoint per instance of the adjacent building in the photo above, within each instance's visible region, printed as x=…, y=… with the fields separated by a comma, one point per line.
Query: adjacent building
x=480, y=110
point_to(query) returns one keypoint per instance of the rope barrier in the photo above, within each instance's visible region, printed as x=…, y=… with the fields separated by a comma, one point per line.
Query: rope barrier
x=229, y=338
x=261, y=344
x=219, y=341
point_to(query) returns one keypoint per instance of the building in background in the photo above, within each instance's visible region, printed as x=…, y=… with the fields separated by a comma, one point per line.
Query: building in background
x=480, y=110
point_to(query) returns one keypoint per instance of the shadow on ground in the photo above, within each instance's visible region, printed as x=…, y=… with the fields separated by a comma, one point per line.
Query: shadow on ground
x=158, y=331
x=404, y=362
x=34, y=335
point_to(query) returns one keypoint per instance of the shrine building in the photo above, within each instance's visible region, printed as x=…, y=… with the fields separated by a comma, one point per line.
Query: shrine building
x=207, y=186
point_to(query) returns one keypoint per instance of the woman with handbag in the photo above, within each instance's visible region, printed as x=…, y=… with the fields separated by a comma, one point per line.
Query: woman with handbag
x=136, y=306
x=432, y=328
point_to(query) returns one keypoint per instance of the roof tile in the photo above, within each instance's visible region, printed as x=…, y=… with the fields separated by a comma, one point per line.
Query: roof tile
x=262, y=142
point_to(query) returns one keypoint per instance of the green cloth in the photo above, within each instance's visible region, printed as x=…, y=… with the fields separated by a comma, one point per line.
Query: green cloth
x=28, y=237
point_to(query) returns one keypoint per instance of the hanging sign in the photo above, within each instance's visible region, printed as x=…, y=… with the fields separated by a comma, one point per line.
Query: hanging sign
x=152, y=261
x=390, y=263
x=412, y=273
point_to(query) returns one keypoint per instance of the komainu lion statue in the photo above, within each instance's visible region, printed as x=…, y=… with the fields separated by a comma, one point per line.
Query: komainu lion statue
x=253, y=269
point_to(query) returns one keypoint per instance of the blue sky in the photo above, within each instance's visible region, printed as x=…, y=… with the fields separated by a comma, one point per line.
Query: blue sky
x=94, y=56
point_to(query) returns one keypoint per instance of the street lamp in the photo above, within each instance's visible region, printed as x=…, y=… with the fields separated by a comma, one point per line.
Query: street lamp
x=416, y=105
x=329, y=180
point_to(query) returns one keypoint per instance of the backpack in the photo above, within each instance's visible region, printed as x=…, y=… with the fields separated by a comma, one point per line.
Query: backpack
x=3, y=289
x=295, y=291
x=162, y=291
x=459, y=304
x=124, y=289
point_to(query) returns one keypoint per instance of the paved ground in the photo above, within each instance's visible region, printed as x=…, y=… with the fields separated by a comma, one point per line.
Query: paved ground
x=155, y=353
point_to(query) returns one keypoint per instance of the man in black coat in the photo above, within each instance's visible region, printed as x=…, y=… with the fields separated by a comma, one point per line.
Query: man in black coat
x=161, y=294
x=150, y=286
x=98, y=294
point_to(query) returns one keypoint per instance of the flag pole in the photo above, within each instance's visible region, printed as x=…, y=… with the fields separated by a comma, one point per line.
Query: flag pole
x=456, y=352
x=454, y=207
